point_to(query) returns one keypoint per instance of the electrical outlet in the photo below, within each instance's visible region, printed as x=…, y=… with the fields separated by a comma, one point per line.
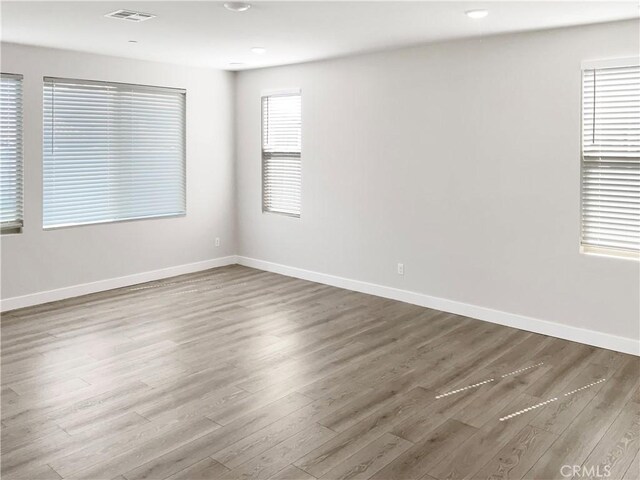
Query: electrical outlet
x=217, y=241
x=401, y=269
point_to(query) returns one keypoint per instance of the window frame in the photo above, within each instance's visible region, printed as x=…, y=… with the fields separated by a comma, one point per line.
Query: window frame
x=277, y=93
x=585, y=248
x=17, y=227
x=139, y=87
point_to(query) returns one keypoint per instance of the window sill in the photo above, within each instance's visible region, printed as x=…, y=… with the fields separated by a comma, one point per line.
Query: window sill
x=610, y=252
x=283, y=214
x=11, y=228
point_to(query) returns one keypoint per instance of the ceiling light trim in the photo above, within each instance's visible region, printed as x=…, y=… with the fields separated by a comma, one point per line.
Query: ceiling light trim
x=477, y=13
x=237, y=6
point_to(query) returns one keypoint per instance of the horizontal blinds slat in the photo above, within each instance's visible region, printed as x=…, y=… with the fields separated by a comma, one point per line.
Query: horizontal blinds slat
x=112, y=152
x=281, y=154
x=611, y=112
x=11, y=161
x=611, y=158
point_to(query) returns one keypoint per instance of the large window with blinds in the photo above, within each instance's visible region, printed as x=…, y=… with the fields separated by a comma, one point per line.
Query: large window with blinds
x=281, y=153
x=10, y=153
x=112, y=152
x=611, y=158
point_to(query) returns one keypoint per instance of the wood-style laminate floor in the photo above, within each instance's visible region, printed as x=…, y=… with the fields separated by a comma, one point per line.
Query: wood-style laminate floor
x=236, y=373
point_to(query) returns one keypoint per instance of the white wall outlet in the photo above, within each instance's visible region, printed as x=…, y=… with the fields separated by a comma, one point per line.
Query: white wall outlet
x=217, y=241
x=401, y=269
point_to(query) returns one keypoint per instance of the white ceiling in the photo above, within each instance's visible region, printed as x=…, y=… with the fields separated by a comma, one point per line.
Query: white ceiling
x=206, y=34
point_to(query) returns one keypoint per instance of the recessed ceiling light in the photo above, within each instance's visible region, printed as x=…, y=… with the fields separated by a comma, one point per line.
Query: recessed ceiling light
x=259, y=50
x=237, y=6
x=133, y=41
x=477, y=13
x=236, y=64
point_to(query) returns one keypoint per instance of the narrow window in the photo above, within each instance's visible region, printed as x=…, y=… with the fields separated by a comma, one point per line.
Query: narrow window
x=112, y=152
x=11, y=153
x=281, y=153
x=610, y=177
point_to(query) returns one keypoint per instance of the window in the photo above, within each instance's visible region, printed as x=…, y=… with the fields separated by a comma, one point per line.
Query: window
x=112, y=152
x=611, y=158
x=10, y=153
x=281, y=148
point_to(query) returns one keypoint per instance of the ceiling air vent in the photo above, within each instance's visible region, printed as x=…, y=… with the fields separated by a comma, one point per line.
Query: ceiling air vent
x=130, y=15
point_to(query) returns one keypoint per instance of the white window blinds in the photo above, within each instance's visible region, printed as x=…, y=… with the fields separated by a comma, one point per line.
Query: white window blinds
x=611, y=159
x=10, y=153
x=112, y=152
x=281, y=149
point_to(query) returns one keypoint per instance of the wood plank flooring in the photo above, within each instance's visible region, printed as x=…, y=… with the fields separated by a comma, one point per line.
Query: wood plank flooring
x=235, y=373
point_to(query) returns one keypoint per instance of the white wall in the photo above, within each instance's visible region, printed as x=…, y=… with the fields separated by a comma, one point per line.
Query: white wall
x=460, y=160
x=37, y=261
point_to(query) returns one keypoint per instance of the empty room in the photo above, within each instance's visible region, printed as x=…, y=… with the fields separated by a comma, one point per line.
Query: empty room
x=304, y=240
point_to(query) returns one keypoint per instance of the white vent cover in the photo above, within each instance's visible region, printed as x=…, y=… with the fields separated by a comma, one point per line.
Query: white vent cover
x=130, y=15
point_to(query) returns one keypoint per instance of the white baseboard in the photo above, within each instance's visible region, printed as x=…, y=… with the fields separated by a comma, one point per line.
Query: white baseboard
x=111, y=283
x=567, y=332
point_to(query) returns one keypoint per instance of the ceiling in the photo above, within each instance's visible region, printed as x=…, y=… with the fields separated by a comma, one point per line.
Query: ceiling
x=206, y=34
